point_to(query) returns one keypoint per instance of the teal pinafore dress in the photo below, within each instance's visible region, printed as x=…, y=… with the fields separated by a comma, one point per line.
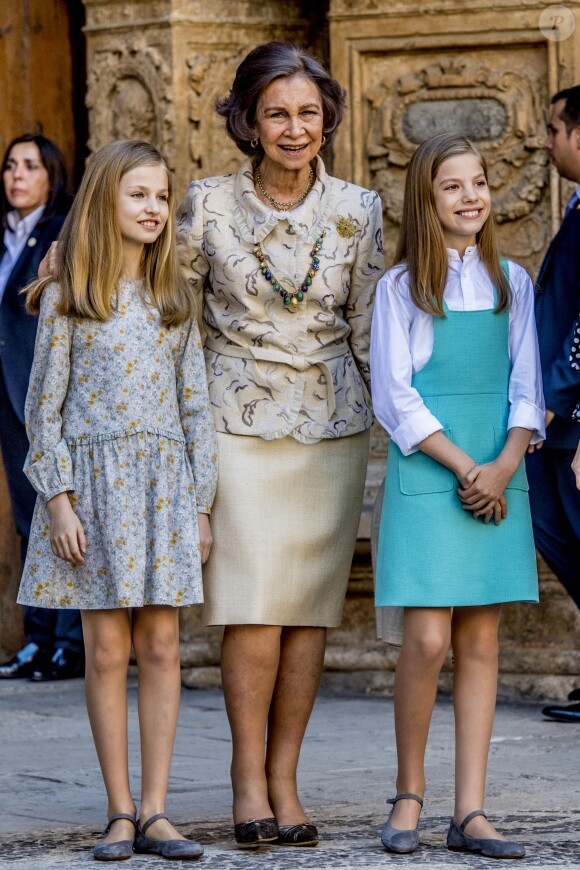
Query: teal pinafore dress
x=431, y=552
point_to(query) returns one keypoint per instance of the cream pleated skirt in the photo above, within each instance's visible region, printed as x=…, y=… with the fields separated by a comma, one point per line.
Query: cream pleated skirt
x=284, y=522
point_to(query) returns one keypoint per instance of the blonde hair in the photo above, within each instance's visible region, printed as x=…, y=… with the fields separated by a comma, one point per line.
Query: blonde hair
x=89, y=256
x=421, y=245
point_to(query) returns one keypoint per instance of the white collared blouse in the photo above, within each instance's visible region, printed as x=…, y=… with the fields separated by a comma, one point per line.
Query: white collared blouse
x=273, y=372
x=402, y=344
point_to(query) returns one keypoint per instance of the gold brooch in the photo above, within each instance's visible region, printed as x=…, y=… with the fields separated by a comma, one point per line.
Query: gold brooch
x=345, y=227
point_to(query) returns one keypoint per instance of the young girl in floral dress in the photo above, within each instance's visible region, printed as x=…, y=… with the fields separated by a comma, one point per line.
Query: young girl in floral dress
x=456, y=381
x=122, y=455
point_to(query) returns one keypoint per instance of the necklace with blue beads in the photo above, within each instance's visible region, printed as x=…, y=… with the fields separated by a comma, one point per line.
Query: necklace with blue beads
x=292, y=298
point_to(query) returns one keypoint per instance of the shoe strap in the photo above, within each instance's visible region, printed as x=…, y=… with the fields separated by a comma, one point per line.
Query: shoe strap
x=118, y=816
x=405, y=797
x=468, y=818
x=150, y=821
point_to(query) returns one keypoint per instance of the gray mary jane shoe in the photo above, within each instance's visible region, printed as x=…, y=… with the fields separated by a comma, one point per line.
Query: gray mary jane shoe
x=119, y=851
x=401, y=841
x=459, y=841
x=182, y=850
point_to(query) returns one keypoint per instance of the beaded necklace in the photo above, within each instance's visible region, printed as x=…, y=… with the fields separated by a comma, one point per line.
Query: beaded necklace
x=292, y=297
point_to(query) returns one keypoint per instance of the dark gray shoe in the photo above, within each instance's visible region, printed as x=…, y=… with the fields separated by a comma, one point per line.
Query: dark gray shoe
x=119, y=851
x=180, y=849
x=459, y=841
x=401, y=841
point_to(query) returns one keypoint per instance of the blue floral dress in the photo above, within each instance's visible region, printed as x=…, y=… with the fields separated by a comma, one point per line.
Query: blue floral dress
x=118, y=416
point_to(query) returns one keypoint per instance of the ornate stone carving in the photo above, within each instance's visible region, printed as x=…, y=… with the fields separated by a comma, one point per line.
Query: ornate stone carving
x=128, y=95
x=447, y=96
x=210, y=75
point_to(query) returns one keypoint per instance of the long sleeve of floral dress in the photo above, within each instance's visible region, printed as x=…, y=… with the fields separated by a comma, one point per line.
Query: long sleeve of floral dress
x=196, y=416
x=48, y=464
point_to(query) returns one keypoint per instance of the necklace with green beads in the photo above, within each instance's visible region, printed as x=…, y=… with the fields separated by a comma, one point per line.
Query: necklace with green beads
x=292, y=298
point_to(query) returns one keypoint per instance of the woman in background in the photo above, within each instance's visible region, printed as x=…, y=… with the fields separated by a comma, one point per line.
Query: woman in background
x=34, y=201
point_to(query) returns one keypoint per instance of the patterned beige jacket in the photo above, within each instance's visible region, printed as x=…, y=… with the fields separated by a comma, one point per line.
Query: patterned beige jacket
x=274, y=372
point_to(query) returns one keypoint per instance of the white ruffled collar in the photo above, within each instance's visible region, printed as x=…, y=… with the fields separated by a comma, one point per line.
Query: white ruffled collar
x=256, y=220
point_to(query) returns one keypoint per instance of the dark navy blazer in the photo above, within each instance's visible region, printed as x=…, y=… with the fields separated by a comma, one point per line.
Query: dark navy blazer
x=17, y=327
x=557, y=309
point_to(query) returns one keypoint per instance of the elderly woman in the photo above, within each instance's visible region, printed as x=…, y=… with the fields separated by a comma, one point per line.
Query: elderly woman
x=287, y=259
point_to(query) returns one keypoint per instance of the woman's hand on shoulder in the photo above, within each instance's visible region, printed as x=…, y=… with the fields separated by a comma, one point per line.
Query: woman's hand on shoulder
x=67, y=537
x=48, y=263
x=205, y=536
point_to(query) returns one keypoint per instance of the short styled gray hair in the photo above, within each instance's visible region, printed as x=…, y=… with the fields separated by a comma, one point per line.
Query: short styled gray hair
x=266, y=62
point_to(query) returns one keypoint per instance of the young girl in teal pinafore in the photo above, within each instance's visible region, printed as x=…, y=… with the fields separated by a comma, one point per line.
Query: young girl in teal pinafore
x=455, y=376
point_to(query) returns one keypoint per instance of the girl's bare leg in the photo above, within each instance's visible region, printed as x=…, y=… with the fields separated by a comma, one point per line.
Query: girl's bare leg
x=107, y=637
x=156, y=644
x=250, y=658
x=475, y=650
x=426, y=639
x=299, y=671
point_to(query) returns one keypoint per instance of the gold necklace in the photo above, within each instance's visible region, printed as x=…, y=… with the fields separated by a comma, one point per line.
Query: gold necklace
x=283, y=206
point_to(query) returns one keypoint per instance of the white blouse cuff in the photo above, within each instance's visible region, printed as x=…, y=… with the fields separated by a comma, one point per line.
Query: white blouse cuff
x=528, y=416
x=415, y=429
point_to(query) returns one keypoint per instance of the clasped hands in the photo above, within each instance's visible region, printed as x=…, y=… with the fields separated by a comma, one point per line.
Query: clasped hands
x=481, y=491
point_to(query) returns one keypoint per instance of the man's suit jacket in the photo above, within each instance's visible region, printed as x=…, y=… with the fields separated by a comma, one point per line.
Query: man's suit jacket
x=557, y=308
x=17, y=327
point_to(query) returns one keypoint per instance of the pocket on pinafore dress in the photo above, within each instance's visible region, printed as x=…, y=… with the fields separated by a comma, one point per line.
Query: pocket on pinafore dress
x=419, y=474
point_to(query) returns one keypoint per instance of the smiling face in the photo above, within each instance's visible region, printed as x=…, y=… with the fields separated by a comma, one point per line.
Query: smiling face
x=143, y=204
x=25, y=178
x=462, y=200
x=563, y=147
x=289, y=122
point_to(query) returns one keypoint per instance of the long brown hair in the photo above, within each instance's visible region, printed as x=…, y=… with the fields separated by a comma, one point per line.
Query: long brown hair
x=89, y=257
x=421, y=245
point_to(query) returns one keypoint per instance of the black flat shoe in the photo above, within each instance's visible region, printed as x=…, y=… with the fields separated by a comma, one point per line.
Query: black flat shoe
x=563, y=712
x=64, y=665
x=119, y=851
x=459, y=841
x=22, y=664
x=251, y=834
x=303, y=834
x=182, y=850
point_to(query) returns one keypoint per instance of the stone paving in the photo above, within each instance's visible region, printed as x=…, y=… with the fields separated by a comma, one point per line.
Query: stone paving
x=52, y=800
